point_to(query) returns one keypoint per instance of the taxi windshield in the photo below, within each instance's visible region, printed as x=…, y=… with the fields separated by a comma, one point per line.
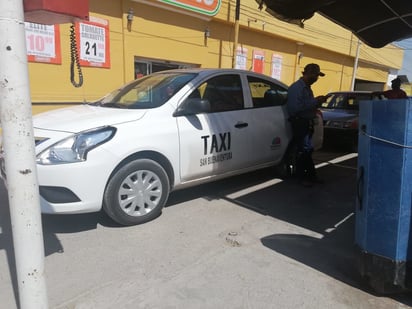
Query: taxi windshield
x=150, y=91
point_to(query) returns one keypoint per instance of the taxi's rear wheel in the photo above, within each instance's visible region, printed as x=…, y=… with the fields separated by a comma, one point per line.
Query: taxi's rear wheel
x=137, y=192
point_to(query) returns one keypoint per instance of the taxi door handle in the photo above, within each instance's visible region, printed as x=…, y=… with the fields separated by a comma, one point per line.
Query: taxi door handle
x=240, y=125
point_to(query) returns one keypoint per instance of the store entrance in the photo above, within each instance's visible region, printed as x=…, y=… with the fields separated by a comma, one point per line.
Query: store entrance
x=145, y=66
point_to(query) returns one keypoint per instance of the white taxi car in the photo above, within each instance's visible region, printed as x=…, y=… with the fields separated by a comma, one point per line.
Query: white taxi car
x=126, y=152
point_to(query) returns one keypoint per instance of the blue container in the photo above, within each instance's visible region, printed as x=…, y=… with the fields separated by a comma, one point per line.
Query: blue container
x=384, y=201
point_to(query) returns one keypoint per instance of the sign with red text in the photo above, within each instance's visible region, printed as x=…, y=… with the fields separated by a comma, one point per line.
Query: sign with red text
x=276, y=66
x=241, y=58
x=258, y=61
x=93, y=42
x=43, y=43
x=206, y=7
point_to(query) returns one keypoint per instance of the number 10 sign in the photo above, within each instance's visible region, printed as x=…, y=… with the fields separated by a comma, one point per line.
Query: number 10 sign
x=43, y=43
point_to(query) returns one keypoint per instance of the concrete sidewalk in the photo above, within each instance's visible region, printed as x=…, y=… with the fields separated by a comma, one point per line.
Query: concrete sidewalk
x=247, y=242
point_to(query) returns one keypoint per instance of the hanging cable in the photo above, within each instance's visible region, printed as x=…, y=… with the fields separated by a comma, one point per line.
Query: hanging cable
x=74, y=59
x=385, y=140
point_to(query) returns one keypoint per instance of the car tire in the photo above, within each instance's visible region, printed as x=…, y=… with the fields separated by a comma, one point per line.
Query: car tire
x=136, y=193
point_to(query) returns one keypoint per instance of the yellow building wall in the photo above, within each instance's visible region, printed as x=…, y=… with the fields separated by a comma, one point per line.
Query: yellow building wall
x=152, y=36
x=169, y=35
x=407, y=88
x=317, y=31
x=51, y=83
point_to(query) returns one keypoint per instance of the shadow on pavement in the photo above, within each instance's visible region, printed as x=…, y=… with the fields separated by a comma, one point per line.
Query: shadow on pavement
x=333, y=254
x=66, y=224
x=52, y=225
x=327, y=209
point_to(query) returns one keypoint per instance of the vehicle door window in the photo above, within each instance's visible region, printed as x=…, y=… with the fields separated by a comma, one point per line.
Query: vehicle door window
x=353, y=103
x=355, y=100
x=223, y=92
x=265, y=93
x=335, y=101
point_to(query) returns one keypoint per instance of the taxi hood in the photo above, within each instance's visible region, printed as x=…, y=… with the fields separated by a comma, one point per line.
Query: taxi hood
x=79, y=118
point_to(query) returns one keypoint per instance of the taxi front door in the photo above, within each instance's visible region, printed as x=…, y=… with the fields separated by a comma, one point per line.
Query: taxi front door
x=212, y=144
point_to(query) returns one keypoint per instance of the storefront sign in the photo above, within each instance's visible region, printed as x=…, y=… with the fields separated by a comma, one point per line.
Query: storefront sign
x=43, y=43
x=93, y=42
x=276, y=66
x=258, y=61
x=206, y=7
x=241, y=58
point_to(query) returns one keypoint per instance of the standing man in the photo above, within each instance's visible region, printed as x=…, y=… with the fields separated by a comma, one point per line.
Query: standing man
x=396, y=92
x=302, y=105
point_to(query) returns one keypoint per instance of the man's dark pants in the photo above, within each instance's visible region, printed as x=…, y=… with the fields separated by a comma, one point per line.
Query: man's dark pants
x=302, y=132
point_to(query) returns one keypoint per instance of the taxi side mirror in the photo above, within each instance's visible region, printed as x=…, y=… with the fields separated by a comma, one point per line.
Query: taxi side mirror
x=192, y=106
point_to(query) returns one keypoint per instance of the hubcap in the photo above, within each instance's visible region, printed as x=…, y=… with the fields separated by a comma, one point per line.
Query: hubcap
x=140, y=193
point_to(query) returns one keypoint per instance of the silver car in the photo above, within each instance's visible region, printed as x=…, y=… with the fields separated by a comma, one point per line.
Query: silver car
x=170, y=130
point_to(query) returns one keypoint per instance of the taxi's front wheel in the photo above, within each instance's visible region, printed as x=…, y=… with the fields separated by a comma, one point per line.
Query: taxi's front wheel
x=137, y=192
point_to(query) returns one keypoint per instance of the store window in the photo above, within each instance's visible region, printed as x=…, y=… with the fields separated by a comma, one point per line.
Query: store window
x=144, y=66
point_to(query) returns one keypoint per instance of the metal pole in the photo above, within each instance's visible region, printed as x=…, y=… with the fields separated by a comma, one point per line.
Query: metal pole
x=355, y=66
x=18, y=145
x=235, y=41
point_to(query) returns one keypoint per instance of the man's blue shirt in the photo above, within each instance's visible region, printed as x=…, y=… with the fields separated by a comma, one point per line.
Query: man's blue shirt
x=300, y=101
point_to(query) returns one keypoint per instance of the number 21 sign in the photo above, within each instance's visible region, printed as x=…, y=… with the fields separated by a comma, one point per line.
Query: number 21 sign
x=93, y=42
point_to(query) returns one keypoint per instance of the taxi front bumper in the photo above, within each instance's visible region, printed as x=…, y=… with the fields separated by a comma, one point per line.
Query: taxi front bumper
x=70, y=188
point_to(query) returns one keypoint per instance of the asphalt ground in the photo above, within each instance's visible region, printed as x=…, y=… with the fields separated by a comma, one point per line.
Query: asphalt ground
x=251, y=241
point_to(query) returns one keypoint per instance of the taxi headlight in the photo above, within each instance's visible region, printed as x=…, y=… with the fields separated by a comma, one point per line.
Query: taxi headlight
x=75, y=148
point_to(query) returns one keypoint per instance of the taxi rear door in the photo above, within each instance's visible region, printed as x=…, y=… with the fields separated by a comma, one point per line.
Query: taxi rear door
x=270, y=129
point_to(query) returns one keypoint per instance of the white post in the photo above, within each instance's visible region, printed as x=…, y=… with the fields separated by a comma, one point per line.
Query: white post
x=355, y=66
x=18, y=144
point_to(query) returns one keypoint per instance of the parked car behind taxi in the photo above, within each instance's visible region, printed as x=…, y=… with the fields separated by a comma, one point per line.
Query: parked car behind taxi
x=341, y=116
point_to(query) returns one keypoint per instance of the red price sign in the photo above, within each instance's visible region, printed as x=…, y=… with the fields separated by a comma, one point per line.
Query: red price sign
x=93, y=42
x=43, y=43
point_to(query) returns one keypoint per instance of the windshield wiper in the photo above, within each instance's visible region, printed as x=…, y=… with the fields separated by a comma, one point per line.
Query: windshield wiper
x=112, y=104
x=97, y=103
